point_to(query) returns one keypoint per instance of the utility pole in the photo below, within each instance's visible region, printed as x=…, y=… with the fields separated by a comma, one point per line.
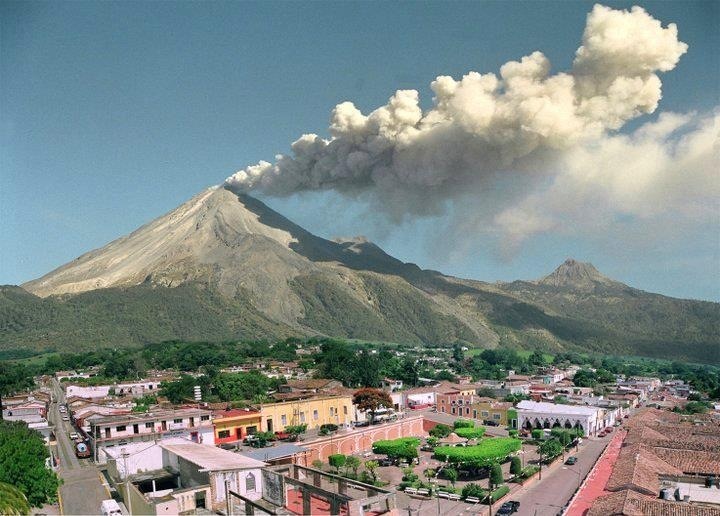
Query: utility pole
x=227, y=497
x=125, y=455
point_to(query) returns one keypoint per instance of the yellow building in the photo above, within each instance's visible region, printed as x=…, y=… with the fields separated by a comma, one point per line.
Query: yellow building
x=491, y=410
x=235, y=425
x=313, y=412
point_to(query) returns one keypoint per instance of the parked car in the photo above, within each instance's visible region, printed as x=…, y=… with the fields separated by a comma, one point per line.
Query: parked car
x=385, y=462
x=426, y=447
x=509, y=507
x=73, y=436
x=490, y=422
x=571, y=460
x=65, y=417
x=281, y=436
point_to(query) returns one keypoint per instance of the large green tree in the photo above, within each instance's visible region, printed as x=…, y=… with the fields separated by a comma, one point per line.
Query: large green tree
x=22, y=463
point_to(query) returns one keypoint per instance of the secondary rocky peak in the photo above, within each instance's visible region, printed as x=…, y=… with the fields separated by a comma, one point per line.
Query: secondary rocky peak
x=572, y=273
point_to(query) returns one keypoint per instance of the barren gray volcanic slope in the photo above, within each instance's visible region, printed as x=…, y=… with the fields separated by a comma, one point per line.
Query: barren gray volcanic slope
x=225, y=266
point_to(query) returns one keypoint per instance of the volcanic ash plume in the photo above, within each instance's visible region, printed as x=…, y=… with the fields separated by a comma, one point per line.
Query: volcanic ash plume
x=483, y=123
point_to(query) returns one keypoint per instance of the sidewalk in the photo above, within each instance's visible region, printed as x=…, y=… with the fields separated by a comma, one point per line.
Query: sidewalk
x=594, y=485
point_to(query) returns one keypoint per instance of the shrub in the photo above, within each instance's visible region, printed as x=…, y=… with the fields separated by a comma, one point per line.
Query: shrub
x=483, y=454
x=470, y=433
x=499, y=493
x=496, y=475
x=330, y=427
x=473, y=490
x=515, y=466
x=317, y=464
x=404, y=447
x=440, y=431
x=337, y=461
x=447, y=489
x=297, y=429
x=537, y=433
x=513, y=433
x=529, y=471
x=463, y=423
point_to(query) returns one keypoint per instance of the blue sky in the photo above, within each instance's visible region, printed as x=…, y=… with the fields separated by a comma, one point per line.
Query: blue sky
x=114, y=113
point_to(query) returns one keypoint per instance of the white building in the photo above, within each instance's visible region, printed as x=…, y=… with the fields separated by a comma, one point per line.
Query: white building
x=192, y=424
x=176, y=476
x=534, y=414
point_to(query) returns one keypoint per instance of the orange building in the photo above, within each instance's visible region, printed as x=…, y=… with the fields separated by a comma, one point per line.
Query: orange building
x=235, y=424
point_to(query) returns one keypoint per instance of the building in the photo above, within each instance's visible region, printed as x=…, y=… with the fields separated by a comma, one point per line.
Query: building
x=313, y=412
x=490, y=410
x=295, y=489
x=456, y=403
x=231, y=426
x=180, y=477
x=663, y=466
x=310, y=386
x=533, y=414
x=391, y=385
x=192, y=424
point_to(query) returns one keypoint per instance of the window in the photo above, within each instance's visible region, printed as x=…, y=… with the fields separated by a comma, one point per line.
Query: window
x=496, y=416
x=177, y=420
x=467, y=410
x=302, y=417
x=250, y=482
x=484, y=413
x=316, y=416
x=345, y=410
x=222, y=434
x=283, y=420
x=453, y=410
x=149, y=425
x=205, y=418
x=120, y=428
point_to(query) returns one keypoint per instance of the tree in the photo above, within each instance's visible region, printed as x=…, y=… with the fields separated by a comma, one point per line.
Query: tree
x=353, y=463
x=337, y=461
x=550, y=449
x=515, y=466
x=458, y=354
x=401, y=448
x=451, y=474
x=445, y=375
x=22, y=463
x=371, y=466
x=585, y=378
x=317, y=464
x=429, y=473
x=371, y=400
x=536, y=359
x=496, y=476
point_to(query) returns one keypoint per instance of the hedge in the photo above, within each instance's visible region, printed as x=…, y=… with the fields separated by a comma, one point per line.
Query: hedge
x=470, y=433
x=499, y=493
x=405, y=447
x=483, y=454
x=473, y=490
x=463, y=423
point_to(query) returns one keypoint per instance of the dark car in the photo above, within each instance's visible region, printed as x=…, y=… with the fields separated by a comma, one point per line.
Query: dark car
x=490, y=422
x=509, y=507
x=385, y=462
x=571, y=460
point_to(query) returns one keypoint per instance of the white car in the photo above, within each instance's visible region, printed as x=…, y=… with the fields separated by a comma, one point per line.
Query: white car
x=65, y=417
x=73, y=436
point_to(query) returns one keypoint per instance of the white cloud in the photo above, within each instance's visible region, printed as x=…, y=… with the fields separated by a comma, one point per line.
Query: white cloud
x=521, y=152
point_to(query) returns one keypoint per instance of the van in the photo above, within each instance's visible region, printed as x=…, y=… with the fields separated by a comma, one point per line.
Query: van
x=110, y=508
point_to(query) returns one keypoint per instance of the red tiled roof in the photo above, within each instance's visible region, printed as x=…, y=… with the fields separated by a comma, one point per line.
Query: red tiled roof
x=637, y=467
x=630, y=503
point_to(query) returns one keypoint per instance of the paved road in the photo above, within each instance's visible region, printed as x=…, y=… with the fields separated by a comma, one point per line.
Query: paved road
x=547, y=496
x=83, y=486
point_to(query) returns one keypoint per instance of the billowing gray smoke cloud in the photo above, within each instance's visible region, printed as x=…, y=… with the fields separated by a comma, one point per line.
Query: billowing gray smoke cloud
x=483, y=130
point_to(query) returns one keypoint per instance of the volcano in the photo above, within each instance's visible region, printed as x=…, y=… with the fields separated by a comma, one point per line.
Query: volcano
x=224, y=266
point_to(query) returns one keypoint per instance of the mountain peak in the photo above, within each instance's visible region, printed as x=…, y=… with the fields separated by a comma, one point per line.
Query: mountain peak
x=575, y=274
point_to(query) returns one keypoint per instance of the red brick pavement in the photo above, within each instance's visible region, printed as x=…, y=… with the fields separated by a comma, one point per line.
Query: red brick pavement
x=594, y=485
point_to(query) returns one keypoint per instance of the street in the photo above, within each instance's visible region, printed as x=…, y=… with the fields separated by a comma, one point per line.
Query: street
x=547, y=496
x=83, y=487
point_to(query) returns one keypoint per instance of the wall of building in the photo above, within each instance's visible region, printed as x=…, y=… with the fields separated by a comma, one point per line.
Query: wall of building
x=360, y=440
x=313, y=412
x=232, y=425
